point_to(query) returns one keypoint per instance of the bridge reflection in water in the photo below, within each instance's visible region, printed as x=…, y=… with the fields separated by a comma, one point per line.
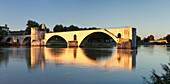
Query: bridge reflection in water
x=109, y=59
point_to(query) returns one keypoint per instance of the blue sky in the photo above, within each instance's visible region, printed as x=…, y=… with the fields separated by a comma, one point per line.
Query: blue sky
x=148, y=16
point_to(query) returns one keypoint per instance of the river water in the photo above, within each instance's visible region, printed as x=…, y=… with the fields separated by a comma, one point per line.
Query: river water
x=45, y=65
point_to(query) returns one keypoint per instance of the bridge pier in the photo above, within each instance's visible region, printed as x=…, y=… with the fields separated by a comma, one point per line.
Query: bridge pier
x=128, y=43
x=73, y=44
x=124, y=44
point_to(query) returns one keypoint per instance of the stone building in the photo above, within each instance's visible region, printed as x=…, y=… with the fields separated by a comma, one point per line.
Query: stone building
x=5, y=28
x=37, y=34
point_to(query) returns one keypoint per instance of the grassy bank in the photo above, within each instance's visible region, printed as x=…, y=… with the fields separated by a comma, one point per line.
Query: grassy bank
x=147, y=43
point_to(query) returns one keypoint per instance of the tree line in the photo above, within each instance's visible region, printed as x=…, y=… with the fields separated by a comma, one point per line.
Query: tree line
x=151, y=38
x=57, y=28
x=3, y=33
x=61, y=28
x=31, y=24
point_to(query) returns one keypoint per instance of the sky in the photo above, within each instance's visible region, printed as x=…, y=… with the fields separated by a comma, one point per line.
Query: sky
x=147, y=16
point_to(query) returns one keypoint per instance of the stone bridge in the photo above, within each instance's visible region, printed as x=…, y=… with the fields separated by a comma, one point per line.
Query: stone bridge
x=124, y=37
x=20, y=39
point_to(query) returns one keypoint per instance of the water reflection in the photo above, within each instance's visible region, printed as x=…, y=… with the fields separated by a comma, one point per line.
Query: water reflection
x=109, y=59
x=4, y=58
x=79, y=65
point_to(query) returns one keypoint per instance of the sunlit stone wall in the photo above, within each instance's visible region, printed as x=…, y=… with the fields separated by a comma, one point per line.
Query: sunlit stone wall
x=127, y=34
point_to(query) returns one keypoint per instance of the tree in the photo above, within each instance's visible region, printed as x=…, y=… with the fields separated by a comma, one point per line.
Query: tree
x=72, y=28
x=48, y=30
x=145, y=39
x=151, y=37
x=30, y=24
x=138, y=39
x=168, y=38
x=58, y=28
x=91, y=28
x=3, y=34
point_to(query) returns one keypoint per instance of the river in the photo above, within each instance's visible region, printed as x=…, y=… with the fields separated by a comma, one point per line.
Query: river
x=46, y=65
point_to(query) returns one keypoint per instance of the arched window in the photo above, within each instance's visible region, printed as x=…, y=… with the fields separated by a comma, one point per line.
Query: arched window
x=119, y=35
x=75, y=37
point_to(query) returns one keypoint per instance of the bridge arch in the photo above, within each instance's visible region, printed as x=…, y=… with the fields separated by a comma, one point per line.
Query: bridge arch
x=26, y=40
x=86, y=37
x=9, y=39
x=55, y=38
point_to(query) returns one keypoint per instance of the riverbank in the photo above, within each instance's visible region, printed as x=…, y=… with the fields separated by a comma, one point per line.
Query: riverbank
x=147, y=43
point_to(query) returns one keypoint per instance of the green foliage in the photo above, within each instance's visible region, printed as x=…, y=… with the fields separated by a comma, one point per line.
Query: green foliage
x=72, y=28
x=27, y=31
x=138, y=38
x=3, y=34
x=149, y=38
x=30, y=24
x=164, y=38
x=168, y=37
x=145, y=39
x=91, y=28
x=157, y=79
x=48, y=30
x=60, y=28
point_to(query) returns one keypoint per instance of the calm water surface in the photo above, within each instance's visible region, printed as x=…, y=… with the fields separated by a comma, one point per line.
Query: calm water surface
x=45, y=65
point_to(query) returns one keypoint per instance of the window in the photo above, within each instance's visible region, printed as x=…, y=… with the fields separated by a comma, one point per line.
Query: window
x=119, y=35
x=75, y=37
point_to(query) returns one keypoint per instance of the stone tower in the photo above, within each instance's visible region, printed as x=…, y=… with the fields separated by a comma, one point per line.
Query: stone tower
x=35, y=39
x=37, y=35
